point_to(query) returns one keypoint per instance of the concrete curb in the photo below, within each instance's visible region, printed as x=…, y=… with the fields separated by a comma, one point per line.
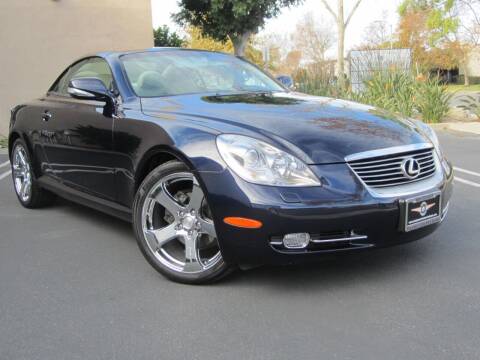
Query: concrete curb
x=470, y=127
x=3, y=151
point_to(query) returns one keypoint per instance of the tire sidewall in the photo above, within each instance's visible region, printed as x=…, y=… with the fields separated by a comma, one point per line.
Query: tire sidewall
x=156, y=175
x=27, y=204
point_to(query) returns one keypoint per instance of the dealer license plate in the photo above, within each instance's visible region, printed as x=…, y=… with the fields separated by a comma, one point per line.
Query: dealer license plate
x=421, y=211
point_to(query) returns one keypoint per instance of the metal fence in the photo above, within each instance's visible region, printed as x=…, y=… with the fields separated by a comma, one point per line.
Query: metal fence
x=366, y=63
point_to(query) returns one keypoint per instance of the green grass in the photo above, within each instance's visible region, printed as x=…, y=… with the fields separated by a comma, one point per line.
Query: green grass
x=3, y=142
x=463, y=88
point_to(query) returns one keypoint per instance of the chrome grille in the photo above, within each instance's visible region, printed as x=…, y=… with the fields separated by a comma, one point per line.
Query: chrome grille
x=386, y=170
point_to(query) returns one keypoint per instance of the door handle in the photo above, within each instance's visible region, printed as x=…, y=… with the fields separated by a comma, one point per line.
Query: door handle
x=46, y=116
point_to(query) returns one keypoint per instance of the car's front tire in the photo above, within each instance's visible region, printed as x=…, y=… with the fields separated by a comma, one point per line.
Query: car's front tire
x=28, y=192
x=174, y=227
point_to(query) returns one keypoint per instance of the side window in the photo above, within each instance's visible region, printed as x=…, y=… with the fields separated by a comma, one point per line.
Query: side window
x=93, y=67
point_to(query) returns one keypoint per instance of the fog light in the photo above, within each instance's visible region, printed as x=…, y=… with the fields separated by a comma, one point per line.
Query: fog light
x=296, y=241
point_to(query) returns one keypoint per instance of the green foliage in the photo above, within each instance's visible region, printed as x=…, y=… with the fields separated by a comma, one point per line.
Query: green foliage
x=164, y=37
x=419, y=5
x=453, y=88
x=195, y=40
x=228, y=19
x=394, y=92
x=317, y=81
x=432, y=100
x=412, y=5
x=440, y=21
x=408, y=96
x=3, y=142
x=471, y=104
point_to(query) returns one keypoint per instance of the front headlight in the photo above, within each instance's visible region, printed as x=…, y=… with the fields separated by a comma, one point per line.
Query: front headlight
x=431, y=135
x=260, y=163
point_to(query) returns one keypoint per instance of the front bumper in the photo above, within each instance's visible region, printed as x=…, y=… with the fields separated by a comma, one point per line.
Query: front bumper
x=342, y=207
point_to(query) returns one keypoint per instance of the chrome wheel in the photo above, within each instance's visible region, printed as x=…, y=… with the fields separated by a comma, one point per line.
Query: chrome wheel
x=22, y=175
x=177, y=225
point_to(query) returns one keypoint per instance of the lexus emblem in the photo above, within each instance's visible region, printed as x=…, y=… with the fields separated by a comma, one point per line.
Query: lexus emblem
x=411, y=168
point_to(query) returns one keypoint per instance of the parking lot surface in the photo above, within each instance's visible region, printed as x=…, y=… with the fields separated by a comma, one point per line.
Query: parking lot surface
x=73, y=285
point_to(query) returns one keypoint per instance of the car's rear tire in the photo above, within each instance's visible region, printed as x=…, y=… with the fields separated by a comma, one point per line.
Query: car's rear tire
x=174, y=228
x=28, y=192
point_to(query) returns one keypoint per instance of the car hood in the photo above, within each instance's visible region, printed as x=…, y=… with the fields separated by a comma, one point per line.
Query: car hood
x=325, y=130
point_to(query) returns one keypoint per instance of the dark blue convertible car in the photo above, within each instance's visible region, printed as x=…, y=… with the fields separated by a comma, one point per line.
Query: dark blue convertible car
x=219, y=166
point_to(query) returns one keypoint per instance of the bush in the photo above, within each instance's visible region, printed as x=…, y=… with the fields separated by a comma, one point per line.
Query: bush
x=162, y=36
x=395, y=92
x=432, y=100
x=319, y=80
x=409, y=96
x=471, y=105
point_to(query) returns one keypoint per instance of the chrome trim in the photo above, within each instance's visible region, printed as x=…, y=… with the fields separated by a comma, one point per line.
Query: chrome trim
x=185, y=224
x=422, y=222
x=411, y=168
x=396, y=169
x=445, y=211
x=78, y=92
x=426, y=222
x=412, y=187
x=388, y=151
x=425, y=176
x=351, y=238
x=22, y=174
x=399, y=159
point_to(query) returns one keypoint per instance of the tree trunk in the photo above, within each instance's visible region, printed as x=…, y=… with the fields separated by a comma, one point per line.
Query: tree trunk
x=342, y=25
x=240, y=43
x=467, y=78
x=465, y=70
x=341, y=43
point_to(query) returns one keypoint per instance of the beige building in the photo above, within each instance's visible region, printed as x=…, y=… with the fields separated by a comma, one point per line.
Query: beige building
x=39, y=38
x=473, y=66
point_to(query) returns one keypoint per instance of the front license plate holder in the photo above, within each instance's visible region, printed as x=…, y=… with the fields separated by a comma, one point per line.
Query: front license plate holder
x=421, y=211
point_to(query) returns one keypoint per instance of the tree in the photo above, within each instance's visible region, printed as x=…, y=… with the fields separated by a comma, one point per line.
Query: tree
x=413, y=34
x=292, y=61
x=468, y=32
x=469, y=28
x=342, y=25
x=312, y=39
x=195, y=40
x=162, y=36
x=441, y=21
x=234, y=20
x=378, y=35
x=429, y=28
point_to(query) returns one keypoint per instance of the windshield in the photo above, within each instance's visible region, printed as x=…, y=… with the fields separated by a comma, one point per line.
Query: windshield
x=177, y=72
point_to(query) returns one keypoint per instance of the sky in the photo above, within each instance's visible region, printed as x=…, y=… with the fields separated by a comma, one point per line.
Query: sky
x=368, y=12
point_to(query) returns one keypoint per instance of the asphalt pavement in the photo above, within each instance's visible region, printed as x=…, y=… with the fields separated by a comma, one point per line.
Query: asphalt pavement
x=73, y=285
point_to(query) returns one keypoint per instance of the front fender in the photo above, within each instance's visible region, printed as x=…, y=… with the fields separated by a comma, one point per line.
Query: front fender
x=138, y=138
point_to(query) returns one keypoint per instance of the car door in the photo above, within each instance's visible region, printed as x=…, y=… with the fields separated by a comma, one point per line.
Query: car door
x=78, y=147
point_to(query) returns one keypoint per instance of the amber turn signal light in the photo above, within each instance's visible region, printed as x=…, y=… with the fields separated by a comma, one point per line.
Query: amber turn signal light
x=243, y=222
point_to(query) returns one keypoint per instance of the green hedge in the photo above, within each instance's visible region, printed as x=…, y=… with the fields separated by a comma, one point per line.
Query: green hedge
x=400, y=93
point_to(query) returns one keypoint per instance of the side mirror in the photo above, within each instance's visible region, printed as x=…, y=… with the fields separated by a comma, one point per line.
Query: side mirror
x=88, y=89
